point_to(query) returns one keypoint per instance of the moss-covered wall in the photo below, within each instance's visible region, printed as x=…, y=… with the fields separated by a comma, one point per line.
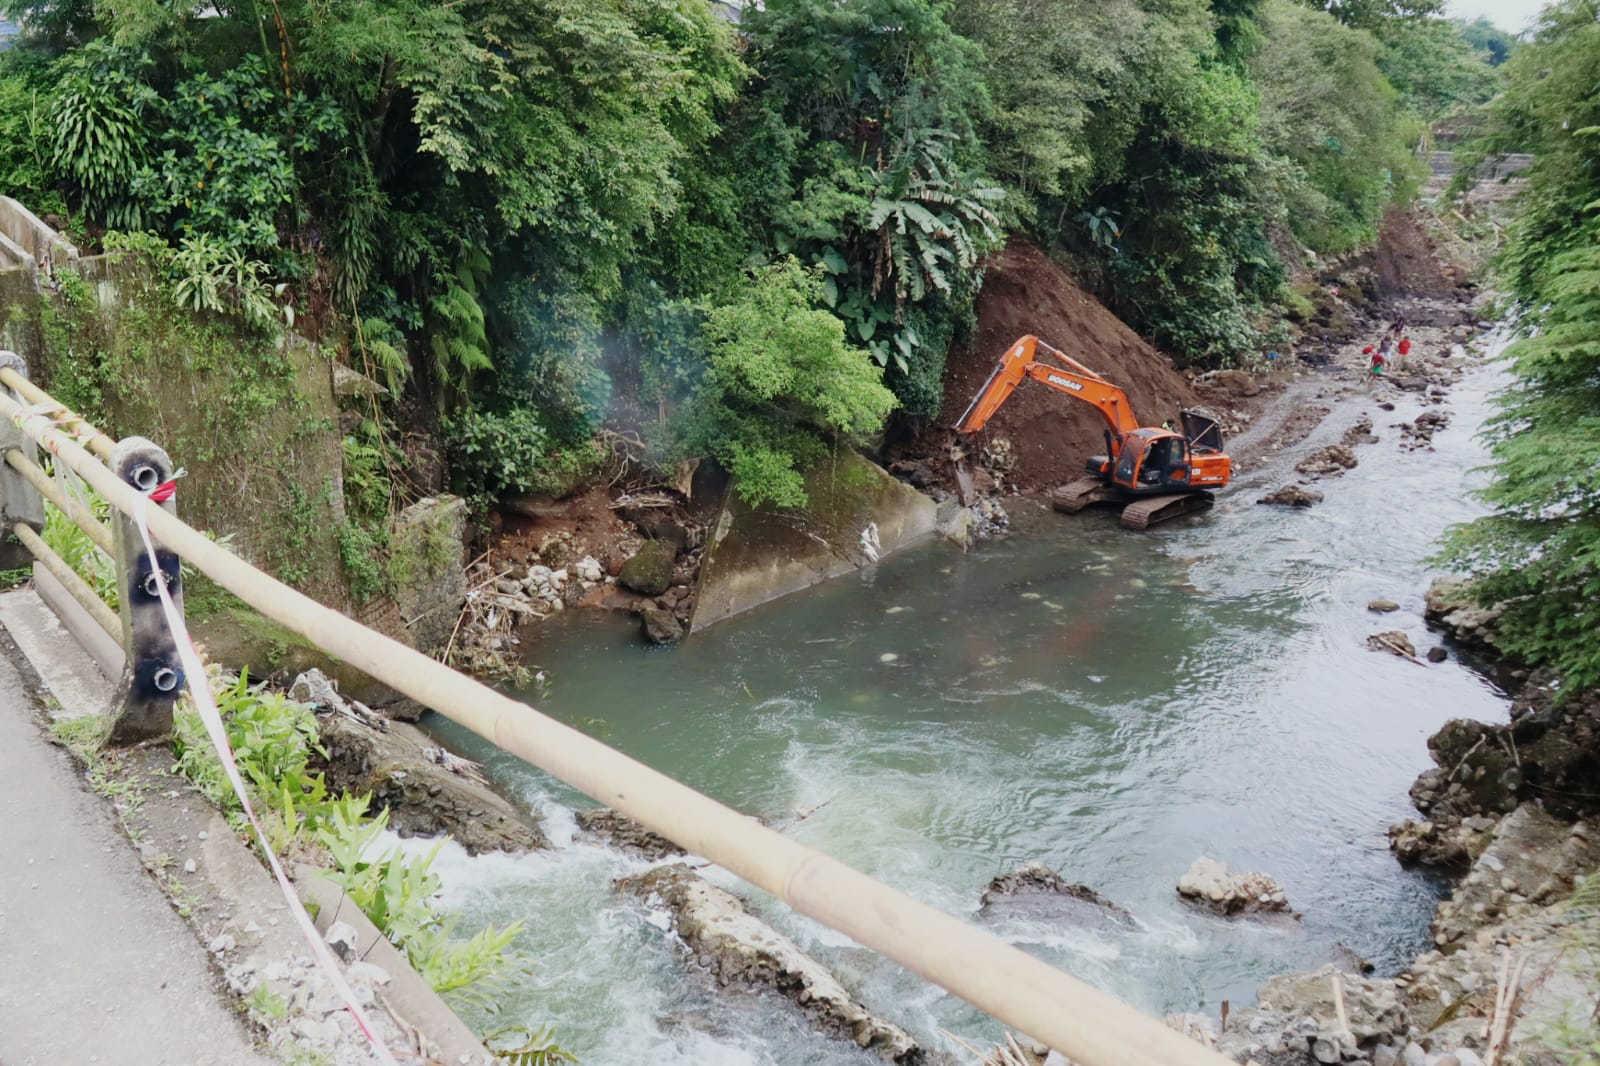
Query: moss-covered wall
x=250, y=416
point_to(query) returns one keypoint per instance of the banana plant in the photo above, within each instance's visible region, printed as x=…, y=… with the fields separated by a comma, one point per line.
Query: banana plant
x=926, y=217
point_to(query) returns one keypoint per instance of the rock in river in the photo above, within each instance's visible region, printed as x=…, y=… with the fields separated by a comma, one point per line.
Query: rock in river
x=426, y=789
x=1395, y=642
x=1331, y=461
x=659, y=625
x=1293, y=496
x=741, y=950
x=650, y=570
x=1036, y=891
x=623, y=832
x=1212, y=884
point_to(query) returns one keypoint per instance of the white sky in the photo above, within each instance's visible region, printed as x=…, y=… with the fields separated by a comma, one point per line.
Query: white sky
x=1513, y=16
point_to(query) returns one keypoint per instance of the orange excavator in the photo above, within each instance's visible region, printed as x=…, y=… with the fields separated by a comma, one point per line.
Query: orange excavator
x=1155, y=474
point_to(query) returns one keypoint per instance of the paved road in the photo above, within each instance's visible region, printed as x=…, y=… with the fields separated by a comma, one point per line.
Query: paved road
x=95, y=967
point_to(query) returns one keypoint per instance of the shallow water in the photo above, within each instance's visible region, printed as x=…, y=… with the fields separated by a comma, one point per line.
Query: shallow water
x=1114, y=704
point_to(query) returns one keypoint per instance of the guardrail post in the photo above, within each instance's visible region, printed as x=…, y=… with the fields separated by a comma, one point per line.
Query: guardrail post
x=153, y=677
x=19, y=501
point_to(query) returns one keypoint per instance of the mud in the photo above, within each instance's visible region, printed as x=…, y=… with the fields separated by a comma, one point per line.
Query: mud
x=1049, y=436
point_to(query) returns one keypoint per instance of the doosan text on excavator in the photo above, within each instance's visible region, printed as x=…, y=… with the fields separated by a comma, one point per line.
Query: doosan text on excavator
x=1155, y=474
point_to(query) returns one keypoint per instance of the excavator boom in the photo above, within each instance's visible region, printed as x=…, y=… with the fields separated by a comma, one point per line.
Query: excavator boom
x=1073, y=378
x=1153, y=474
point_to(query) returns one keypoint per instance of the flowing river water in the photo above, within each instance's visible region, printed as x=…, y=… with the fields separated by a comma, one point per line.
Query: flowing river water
x=1113, y=704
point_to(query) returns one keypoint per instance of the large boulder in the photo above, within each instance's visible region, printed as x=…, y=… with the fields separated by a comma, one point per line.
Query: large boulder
x=1234, y=382
x=661, y=626
x=1211, y=884
x=649, y=572
x=426, y=790
x=1550, y=751
x=740, y=950
x=1451, y=606
x=1297, y=1021
x=1531, y=860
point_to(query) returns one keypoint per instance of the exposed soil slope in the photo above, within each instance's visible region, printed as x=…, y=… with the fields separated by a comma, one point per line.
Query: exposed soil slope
x=1408, y=262
x=1051, y=433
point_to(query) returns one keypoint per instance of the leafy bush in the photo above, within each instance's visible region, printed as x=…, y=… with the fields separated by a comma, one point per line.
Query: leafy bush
x=209, y=276
x=495, y=453
x=26, y=135
x=80, y=553
x=221, y=167
x=781, y=388
x=273, y=740
x=1539, y=552
x=102, y=114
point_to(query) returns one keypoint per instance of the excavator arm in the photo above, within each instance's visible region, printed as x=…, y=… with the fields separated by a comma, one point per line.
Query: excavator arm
x=1073, y=378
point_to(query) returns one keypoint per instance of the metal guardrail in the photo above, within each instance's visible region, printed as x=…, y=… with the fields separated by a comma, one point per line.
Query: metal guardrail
x=1089, y=1026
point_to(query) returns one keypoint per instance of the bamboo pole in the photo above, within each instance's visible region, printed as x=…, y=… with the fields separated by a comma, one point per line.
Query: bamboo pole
x=35, y=476
x=1083, y=1023
x=75, y=585
x=96, y=441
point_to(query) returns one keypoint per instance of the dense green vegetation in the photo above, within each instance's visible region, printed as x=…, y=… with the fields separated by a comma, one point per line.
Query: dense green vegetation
x=517, y=214
x=1539, y=553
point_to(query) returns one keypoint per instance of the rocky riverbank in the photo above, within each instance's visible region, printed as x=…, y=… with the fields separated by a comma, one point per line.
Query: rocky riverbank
x=1512, y=809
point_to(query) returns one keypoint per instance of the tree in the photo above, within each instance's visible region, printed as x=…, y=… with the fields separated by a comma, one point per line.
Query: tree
x=1539, y=552
x=1327, y=109
x=1377, y=15
x=858, y=154
x=782, y=387
x=1436, y=69
x=1487, y=37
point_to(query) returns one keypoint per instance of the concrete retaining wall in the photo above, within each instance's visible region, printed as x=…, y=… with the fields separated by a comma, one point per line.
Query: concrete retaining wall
x=858, y=514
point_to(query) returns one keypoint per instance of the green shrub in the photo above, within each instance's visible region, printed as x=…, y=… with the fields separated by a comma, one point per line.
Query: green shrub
x=80, y=553
x=25, y=136
x=781, y=387
x=273, y=740
x=495, y=453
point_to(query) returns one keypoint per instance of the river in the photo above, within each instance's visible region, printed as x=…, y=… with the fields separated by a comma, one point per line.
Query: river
x=1113, y=704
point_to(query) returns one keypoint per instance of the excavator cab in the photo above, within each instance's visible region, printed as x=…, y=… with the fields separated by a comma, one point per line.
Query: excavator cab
x=1153, y=461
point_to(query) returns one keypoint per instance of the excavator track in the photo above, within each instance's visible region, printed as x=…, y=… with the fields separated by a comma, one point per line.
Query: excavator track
x=1074, y=497
x=1142, y=514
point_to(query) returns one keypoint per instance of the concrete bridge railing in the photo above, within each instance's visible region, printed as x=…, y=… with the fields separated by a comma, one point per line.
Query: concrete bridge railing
x=135, y=478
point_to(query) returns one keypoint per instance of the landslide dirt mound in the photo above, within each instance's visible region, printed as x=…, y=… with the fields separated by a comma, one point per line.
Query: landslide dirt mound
x=1407, y=261
x=1051, y=434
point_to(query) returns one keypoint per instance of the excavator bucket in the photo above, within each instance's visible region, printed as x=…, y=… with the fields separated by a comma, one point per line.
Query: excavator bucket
x=1203, y=431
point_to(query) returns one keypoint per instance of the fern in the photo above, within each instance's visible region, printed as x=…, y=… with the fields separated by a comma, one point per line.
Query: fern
x=535, y=1047
x=460, y=340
